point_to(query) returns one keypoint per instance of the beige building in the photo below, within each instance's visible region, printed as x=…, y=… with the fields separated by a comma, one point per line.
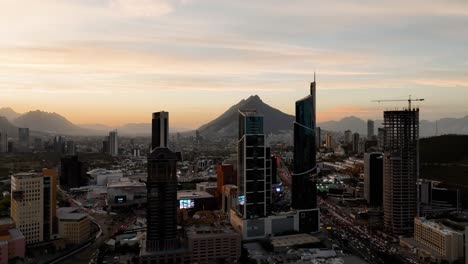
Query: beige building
x=213, y=243
x=441, y=242
x=73, y=227
x=27, y=205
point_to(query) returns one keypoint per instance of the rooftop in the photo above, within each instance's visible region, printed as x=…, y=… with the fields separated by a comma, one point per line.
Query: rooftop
x=439, y=227
x=293, y=240
x=124, y=182
x=72, y=216
x=192, y=194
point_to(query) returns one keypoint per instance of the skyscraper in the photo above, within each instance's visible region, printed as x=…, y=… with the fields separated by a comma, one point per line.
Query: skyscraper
x=348, y=137
x=304, y=189
x=3, y=142
x=71, y=172
x=113, y=143
x=23, y=136
x=356, y=142
x=328, y=140
x=59, y=144
x=373, y=179
x=370, y=129
x=251, y=166
x=400, y=170
x=318, y=138
x=162, y=190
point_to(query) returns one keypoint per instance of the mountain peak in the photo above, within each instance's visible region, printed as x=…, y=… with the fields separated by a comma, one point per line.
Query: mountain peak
x=9, y=113
x=254, y=98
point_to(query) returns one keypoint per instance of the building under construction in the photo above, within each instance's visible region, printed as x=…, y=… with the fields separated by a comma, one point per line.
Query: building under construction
x=400, y=170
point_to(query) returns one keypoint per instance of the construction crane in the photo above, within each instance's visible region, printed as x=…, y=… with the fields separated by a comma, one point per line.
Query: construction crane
x=401, y=100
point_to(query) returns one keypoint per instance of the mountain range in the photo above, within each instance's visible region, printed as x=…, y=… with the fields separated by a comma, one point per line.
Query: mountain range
x=225, y=125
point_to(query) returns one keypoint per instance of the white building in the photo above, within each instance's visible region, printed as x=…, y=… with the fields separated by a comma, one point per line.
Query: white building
x=102, y=176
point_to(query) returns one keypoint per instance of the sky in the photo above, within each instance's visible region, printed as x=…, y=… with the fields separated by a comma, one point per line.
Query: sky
x=117, y=61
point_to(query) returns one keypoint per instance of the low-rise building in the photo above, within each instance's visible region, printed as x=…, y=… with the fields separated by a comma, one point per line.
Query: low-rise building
x=102, y=176
x=74, y=227
x=12, y=241
x=213, y=243
x=125, y=192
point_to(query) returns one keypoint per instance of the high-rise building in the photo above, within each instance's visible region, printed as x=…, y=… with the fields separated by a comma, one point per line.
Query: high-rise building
x=328, y=140
x=370, y=129
x=71, y=172
x=59, y=144
x=31, y=205
x=400, y=170
x=70, y=149
x=318, y=137
x=304, y=187
x=23, y=136
x=356, y=142
x=161, y=186
x=3, y=142
x=105, y=145
x=348, y=137
x=113, y=143
x=251, y=166
x=380, y=137
x=373, y=179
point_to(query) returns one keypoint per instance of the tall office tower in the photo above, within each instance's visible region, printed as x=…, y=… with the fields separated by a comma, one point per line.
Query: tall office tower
x=373, y=179
x=251, y=166
x=356, y=142
x=318, y=138
x=50, y=187
x=380, y=137
x=23, y=135
x=400, y=170
x=105, y=145
x=370, y=129
x=348, y=137
x=3, y=142
x=268, y=180
x=31, y=205
x=304, y=187
x=59, y=144
x=161, y=212
x=328, y=140
x=71, y=172
x=70, y=149
x=113, y=143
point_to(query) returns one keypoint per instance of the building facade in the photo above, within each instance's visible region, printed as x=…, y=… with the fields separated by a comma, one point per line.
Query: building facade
x=442, y=242
x=373, y=179
x=113, y=143
x=71, y=172
x=3, y=142
x=31, y=205
x=161, y=189
x=73, y=227
x=370, y=129
x=400, y=170
x=304, y=186
x=251, y=166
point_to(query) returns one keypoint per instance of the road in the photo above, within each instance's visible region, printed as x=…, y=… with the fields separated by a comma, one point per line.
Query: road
x=358, y=240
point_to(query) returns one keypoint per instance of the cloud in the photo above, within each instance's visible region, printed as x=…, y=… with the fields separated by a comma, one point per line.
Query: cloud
x=142, y=8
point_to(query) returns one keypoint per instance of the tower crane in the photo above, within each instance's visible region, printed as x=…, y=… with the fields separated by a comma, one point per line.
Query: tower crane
x=402, y=100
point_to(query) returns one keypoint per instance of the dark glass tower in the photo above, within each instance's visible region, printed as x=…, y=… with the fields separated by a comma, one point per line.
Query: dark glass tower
x=373, y=179
x=252, y=195
x=161, y=185
x=304, y=189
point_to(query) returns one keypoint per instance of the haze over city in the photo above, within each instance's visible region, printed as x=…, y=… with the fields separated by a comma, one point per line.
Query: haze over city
x=115, y=61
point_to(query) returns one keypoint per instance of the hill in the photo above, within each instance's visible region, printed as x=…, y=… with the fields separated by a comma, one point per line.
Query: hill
x=50, y=123
x=6, y=126
x=226, y=124
x=9, y=113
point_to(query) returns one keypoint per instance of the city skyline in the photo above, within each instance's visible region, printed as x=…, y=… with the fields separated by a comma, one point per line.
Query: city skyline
x=113, y=61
